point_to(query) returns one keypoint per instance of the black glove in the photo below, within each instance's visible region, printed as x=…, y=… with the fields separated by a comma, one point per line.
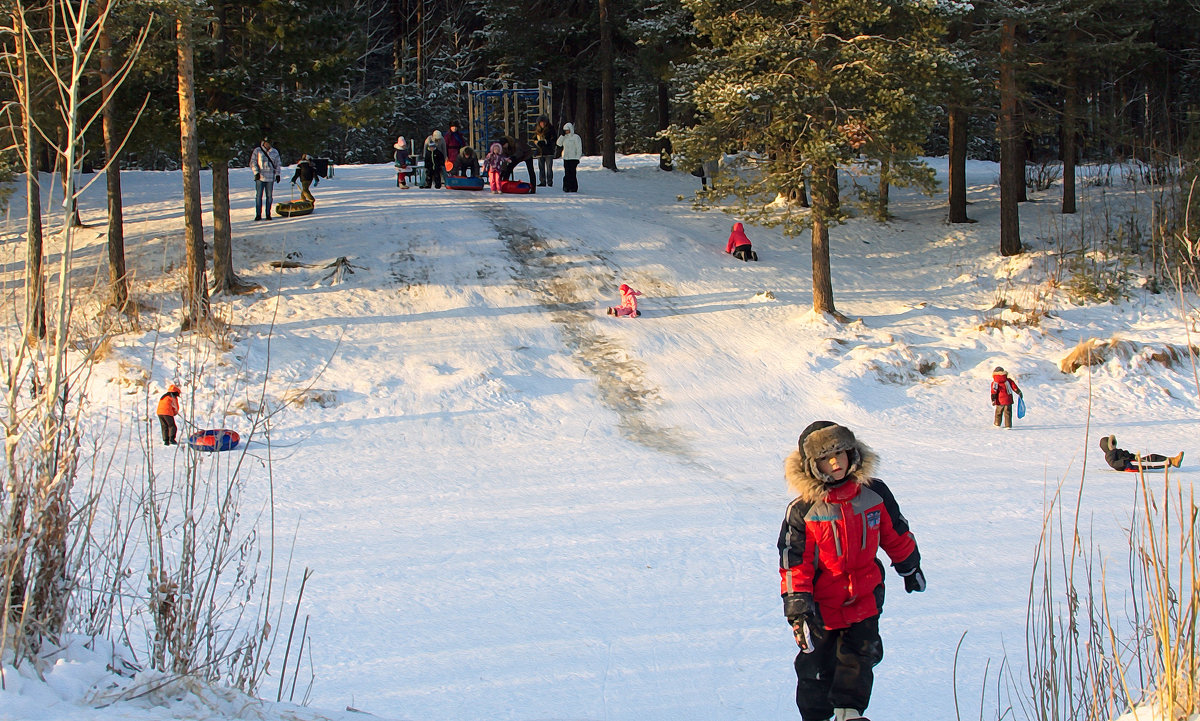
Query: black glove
x=914, y=580
x=256, y=177
x=276, y=178
x=805, y=619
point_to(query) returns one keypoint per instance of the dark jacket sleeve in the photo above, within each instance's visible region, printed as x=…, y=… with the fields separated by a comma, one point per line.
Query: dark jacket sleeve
x=796, y=574
x=903, y=540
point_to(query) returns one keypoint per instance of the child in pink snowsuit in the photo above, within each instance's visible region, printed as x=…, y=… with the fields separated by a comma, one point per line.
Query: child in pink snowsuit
x=493, y=165
x=628, y=307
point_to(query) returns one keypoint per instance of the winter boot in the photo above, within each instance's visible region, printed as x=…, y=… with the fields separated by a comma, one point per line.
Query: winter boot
x=1175, y=461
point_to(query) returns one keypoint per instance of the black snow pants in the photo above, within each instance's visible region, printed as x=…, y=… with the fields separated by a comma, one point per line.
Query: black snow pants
x=839, y=673
x=169, y=430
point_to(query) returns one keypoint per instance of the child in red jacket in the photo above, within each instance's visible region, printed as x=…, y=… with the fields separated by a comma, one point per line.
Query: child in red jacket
x=1004, y=394
x=832, y=583
x=628, y=307
x=739, y=245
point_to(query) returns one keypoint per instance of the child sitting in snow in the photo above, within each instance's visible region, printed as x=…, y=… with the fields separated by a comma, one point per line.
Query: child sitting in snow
x=628, y=305
x=1122, y=460
x=493, y=165
x=739, y=244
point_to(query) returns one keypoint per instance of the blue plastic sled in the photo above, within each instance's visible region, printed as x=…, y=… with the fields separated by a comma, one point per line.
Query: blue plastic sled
x=217, y=439
x=458, y=182
x=1020, y=406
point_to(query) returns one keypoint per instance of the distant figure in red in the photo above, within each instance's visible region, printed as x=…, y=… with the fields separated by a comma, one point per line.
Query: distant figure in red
x=739, y=244
x=454, y=142
x=628, y=307
x=168, y=408
x=1004, y=394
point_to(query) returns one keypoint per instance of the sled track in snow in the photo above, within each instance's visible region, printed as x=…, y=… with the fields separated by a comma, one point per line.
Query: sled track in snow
x=546, y=269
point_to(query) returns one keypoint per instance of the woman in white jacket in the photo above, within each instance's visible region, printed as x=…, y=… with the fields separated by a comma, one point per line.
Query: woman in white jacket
x=572, y=146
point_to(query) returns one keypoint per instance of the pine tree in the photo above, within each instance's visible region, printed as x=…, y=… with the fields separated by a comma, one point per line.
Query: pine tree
x=799, y=89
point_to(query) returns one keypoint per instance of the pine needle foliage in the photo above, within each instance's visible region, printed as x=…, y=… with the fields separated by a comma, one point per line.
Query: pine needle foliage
x=792, y=90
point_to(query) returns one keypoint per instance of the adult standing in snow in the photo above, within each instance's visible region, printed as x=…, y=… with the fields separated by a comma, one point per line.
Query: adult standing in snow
x=168, y=408
x=1122, y=460
x=572, y=151
x=434, y=148
x=832, y=582
x=1004, y=394
x=544, y=139
x=264, y=161
x=739, y=245
x=454, y=141
x=306, y=173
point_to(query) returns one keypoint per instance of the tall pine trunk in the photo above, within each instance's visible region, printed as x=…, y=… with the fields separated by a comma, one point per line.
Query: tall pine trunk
x=195, y=292
x=118, y=283
x=822, y=277
x=958, y=164
x=35, y=277
x=1012, y=176
x=608, y=121
x=1069, y=123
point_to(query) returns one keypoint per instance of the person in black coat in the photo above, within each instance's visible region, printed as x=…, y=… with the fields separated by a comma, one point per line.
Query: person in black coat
x=467, y=164
x=518, y=151
x=306, y=173
x=1122, y=460
x=544, y=137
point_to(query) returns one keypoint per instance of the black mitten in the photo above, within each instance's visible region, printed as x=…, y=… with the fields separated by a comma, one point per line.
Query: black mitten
x=805, y=619
x=914, y=580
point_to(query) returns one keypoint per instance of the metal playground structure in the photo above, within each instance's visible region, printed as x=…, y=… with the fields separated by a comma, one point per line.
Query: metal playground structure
x=492, y=114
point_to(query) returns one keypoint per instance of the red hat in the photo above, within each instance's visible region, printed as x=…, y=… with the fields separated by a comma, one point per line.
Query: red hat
x=624, y=287
x=173, y=388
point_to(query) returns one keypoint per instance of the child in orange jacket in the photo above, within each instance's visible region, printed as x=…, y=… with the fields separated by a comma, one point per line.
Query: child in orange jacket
x=168, y=408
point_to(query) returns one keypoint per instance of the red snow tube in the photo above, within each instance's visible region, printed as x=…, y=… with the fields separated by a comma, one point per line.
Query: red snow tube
x=516, y=187
x=217, y=439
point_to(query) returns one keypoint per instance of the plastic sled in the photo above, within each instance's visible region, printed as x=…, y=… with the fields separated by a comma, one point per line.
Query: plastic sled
x=215, y=439
x=459, y=182
x=294, y=208
x=516, y=187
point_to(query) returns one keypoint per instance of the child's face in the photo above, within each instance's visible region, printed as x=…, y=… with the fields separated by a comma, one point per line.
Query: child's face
x=834, y=466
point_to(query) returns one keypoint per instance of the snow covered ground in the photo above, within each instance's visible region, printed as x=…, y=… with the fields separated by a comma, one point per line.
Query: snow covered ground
x=521, y=508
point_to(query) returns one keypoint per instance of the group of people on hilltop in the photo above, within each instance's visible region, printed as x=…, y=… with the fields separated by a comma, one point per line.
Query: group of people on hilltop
x=448, y=152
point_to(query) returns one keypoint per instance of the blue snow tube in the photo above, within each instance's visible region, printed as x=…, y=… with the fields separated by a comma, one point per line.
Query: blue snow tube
x=217, y=439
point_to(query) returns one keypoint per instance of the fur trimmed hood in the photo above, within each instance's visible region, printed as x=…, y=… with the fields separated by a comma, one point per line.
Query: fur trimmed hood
x=817, y=441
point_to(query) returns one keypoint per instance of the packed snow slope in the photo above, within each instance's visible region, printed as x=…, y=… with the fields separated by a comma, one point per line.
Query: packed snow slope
x=519, y=508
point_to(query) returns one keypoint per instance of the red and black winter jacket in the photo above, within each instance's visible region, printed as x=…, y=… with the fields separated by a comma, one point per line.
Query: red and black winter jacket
x=1004, y=390
x=830, y=538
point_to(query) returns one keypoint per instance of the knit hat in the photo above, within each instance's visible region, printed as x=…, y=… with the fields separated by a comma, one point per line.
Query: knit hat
x=437, y=135
x=999, y=371
x=826, y=438
x=624, y=288
x=173, y=388
x=401, y=143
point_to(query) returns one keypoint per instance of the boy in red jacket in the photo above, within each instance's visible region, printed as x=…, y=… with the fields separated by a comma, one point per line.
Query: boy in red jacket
x=1004, y=393
x=832, y=582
